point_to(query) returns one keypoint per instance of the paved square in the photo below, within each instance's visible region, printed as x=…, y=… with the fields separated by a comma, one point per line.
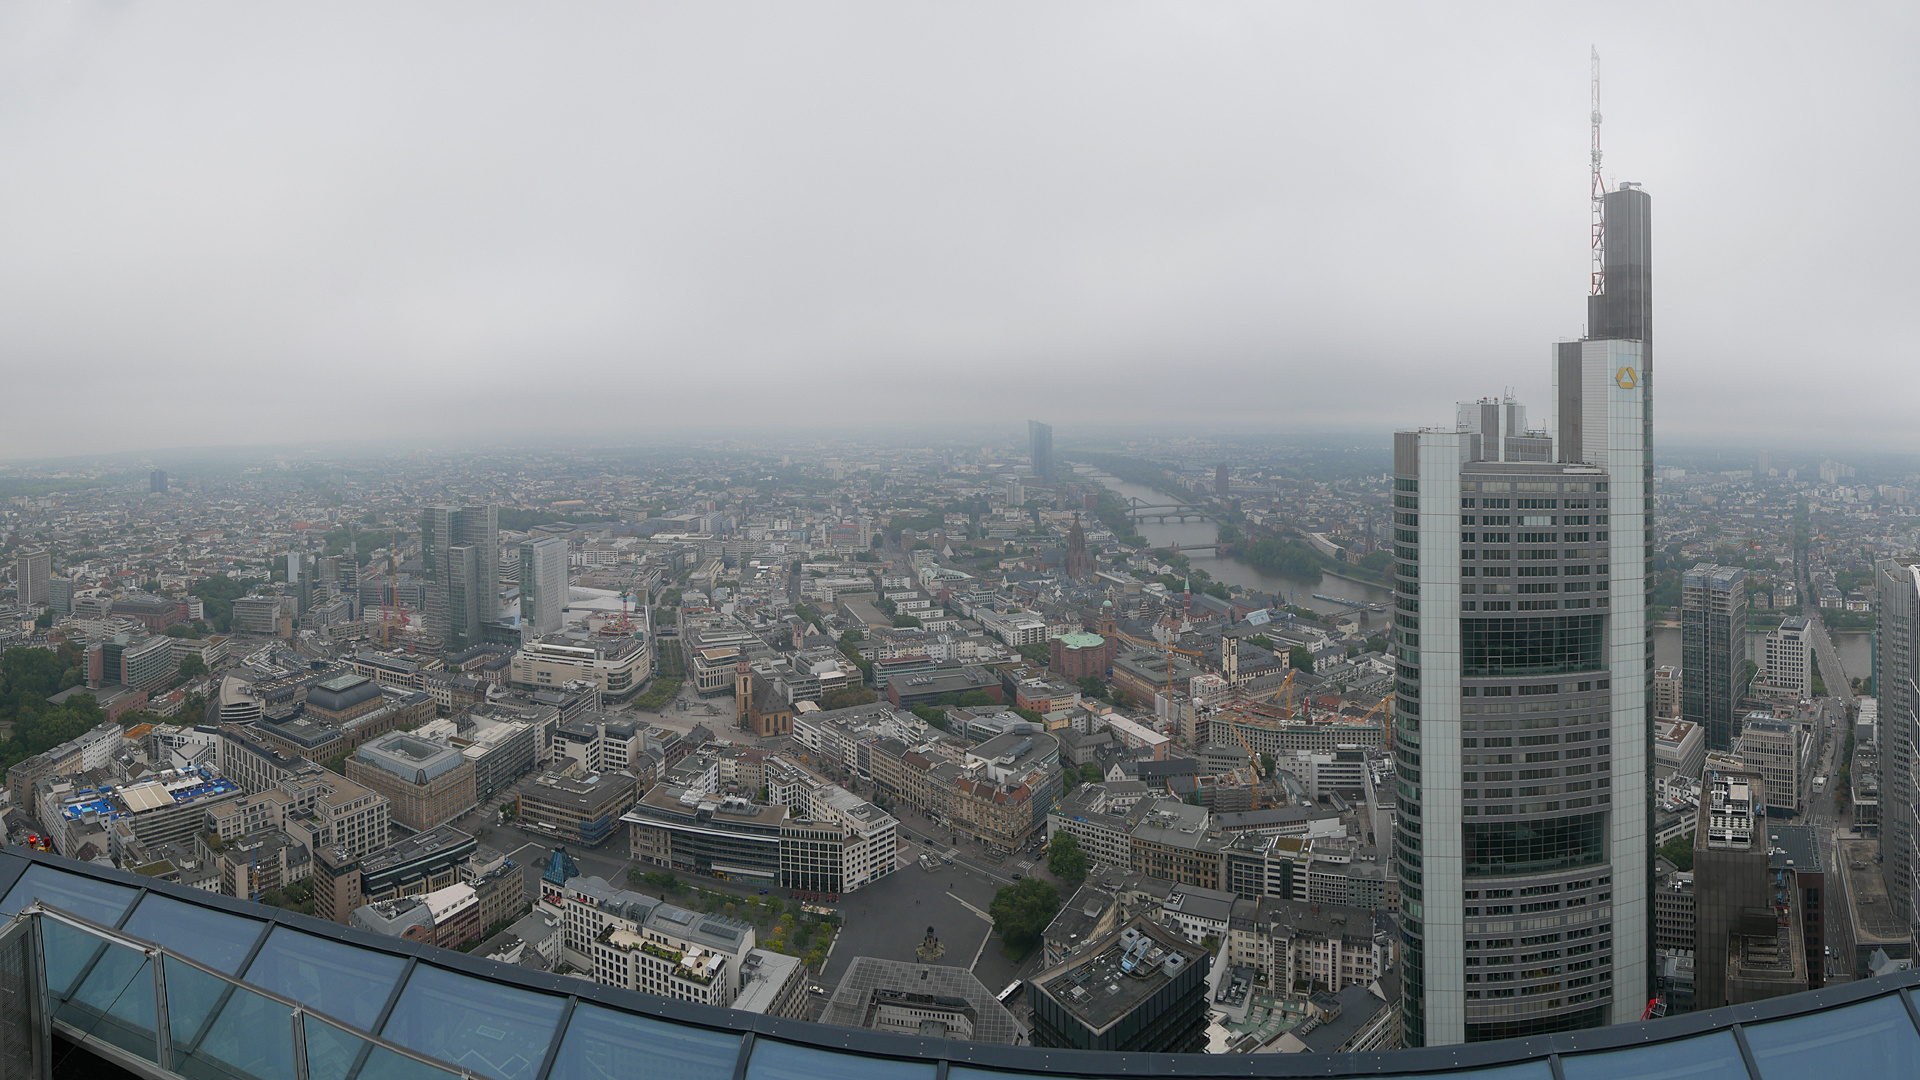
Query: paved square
x=889, y=918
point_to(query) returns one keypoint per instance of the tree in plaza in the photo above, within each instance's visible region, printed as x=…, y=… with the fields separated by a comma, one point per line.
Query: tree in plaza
x=1300, y=658
x=1022, y=910
x=1065, y=859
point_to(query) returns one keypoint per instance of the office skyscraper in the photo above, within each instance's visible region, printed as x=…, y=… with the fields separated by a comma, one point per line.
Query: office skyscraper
x=1040, y=448
x=1521, y=733
x=1713, y=650
x=460, y=546
x=31, y=572
x=1896, y=682
x=543, y=585
x=157, y=482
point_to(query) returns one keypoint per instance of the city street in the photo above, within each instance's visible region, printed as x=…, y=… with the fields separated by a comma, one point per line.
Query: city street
x=1828, y=817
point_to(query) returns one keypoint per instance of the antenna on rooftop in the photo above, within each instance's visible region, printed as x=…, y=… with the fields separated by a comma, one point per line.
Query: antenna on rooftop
x=1598, y=188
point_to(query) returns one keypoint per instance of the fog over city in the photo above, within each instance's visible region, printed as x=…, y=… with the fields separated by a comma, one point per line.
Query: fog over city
x=227, y=223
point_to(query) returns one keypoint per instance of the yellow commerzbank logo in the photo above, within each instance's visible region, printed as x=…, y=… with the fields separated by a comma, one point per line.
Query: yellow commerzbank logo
x=1625, y=379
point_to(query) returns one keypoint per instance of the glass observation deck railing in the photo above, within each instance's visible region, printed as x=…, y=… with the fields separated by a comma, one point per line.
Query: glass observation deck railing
x=168, y=982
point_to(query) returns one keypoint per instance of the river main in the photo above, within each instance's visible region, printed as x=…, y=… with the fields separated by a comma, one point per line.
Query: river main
x=1297, y=591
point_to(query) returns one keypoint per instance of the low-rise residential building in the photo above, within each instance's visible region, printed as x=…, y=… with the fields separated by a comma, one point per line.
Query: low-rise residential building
x=1171, y=840
x=1305, y=948
x=637, y=942
x=1197, y=913
x=1679, y=747
x=316, y=807
x=868, y=836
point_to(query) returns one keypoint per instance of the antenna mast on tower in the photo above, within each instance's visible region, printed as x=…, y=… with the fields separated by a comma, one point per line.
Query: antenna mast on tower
x=1598, y=228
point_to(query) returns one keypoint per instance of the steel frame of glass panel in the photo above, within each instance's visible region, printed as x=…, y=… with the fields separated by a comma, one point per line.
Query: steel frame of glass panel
x=1883, y=1001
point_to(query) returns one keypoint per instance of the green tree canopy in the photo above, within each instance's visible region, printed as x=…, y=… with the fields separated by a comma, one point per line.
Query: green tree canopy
x=1679, y=852
x=1022, y=910
x=1066, y=860
x=1300, y=658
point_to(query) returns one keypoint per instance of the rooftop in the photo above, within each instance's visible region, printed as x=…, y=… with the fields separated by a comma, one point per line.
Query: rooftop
x=410, y=757
x=450, y=1007
x=870, y=982
x=1117, y=973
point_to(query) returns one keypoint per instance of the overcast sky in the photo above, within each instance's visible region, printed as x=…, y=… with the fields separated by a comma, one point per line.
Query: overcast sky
x=246, y=223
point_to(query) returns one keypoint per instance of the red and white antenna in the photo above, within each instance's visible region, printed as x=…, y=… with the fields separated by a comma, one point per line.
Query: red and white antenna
x=1599, y=191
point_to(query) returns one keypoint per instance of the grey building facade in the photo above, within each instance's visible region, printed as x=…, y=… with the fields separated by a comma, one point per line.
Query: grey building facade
x=543, y=586
x=1896, y=682
x=1524, y=680
x=1040, y=448
x=461, y=548
x=1713, y=650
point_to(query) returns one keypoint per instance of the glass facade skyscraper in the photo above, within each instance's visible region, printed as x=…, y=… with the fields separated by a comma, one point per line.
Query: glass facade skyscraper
x=1040, y=448
x=461, y=548
x=1896, y=682
x=543, y=585
x=1524, y=679
x=1713, y=650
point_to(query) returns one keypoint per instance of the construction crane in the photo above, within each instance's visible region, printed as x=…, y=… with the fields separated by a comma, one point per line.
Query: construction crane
x=1169, y=648
x=1286, y=687
x=1261, y=798
x=1386, y=720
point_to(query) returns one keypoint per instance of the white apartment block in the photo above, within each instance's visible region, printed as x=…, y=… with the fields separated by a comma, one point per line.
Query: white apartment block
x=869, y=851
x=620, y=938
x=1788, y=655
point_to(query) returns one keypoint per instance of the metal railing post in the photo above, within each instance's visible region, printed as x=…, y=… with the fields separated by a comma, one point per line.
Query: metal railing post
x=42, y=1008
x=162, y=1028
x=299, y=1018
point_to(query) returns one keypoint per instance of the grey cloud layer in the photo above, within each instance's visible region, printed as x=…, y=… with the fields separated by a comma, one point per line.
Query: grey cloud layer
x=539, y=217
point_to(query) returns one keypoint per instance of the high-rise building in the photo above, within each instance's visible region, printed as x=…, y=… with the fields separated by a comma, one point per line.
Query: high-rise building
x=543, y=585
x=460, y=545
x=1040, y=449
x=1222, y=480
x=1525, y=678
x=1621, y=308
x=157, y=482
x=32, y=571
x=1896, y=683
x=1713, y=650
x=1788, y=653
